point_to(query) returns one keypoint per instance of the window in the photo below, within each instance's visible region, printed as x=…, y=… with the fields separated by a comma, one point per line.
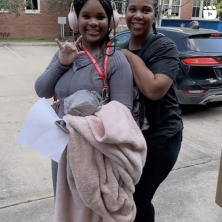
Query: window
x=198, y=6
x=171, y=8
x=32, y=6
x=166, y=6
x=3, y=11
x=121, y=6
x=175, y=8
x=205, y=45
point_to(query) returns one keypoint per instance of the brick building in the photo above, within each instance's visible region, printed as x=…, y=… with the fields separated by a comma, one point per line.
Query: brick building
x=39, y=24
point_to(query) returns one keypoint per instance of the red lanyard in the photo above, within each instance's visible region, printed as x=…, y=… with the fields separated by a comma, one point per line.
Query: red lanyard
x=102, y=74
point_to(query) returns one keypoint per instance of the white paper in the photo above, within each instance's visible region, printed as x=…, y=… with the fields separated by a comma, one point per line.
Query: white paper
x=41, y=134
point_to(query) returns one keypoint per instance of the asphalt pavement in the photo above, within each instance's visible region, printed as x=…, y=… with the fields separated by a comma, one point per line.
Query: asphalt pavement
x=187, y=195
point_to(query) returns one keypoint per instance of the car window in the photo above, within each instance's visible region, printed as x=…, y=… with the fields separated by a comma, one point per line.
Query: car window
x=121, y=39
x=205, y=44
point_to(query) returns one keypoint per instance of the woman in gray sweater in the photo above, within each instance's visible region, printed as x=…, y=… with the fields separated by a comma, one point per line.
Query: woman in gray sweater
x=71, y=69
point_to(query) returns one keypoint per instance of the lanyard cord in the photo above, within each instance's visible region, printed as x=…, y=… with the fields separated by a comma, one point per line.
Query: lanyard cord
x=103, y=75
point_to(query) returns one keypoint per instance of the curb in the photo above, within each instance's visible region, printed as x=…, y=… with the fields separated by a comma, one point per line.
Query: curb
x=28, y=44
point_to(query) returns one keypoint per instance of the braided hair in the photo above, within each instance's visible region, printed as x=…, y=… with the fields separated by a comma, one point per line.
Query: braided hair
x=107, y=6
x=155, y=6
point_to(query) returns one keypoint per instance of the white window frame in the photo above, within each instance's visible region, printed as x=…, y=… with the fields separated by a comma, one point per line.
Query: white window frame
x=200, y=6
x=169, y=12
x=30, y=11
x=201, y=9
x=3, y=11
x=165, y=6
x=122, y=15
x=123, y=9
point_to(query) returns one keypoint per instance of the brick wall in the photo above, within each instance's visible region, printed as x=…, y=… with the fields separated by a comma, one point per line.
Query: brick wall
x=45, y=26
x=30, y=26
x=186, y=9
x=122, y=25
x=36, y=26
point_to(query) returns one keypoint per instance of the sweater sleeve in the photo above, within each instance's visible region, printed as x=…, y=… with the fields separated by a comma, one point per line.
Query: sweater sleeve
x=45, y=84
x=121, y=79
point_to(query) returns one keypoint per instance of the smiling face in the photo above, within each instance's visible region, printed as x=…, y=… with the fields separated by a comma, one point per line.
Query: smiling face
x=140, y=16
x=93, y=22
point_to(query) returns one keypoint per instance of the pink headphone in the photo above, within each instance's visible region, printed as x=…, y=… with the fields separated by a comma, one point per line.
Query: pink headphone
x=73, y=21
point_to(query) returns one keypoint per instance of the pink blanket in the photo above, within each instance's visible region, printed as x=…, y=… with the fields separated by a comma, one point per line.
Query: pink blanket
x=100, y=167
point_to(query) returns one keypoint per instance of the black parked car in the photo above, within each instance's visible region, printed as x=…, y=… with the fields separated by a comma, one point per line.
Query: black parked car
x=199, y=80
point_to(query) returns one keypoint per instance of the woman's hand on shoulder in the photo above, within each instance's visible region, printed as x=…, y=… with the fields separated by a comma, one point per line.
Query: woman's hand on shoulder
x=153, y=86
x=69, y=52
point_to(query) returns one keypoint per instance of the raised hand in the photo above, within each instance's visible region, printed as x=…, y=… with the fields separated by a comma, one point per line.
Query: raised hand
x=69, y=52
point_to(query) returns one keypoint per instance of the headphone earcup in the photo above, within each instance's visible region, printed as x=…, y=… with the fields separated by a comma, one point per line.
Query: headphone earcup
x=73, y=21
x=114, y=24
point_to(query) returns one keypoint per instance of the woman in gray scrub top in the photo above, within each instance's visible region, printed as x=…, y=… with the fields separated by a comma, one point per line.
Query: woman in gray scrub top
x=71, y=69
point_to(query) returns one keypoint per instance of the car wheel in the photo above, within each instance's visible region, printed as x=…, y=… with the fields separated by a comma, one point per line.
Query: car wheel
x=184, y=108
x=215, y=104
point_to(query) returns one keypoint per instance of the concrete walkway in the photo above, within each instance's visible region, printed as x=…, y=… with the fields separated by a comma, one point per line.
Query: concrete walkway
x=29, y=43
x=188, y=194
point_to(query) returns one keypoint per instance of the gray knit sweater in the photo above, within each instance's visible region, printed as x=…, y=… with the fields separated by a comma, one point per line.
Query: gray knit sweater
x=64, y=81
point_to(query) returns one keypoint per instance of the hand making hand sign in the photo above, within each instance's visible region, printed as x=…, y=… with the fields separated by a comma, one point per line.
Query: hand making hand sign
x=69, y=52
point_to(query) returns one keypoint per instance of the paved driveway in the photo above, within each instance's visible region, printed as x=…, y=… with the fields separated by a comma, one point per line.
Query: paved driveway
x=187, y=195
